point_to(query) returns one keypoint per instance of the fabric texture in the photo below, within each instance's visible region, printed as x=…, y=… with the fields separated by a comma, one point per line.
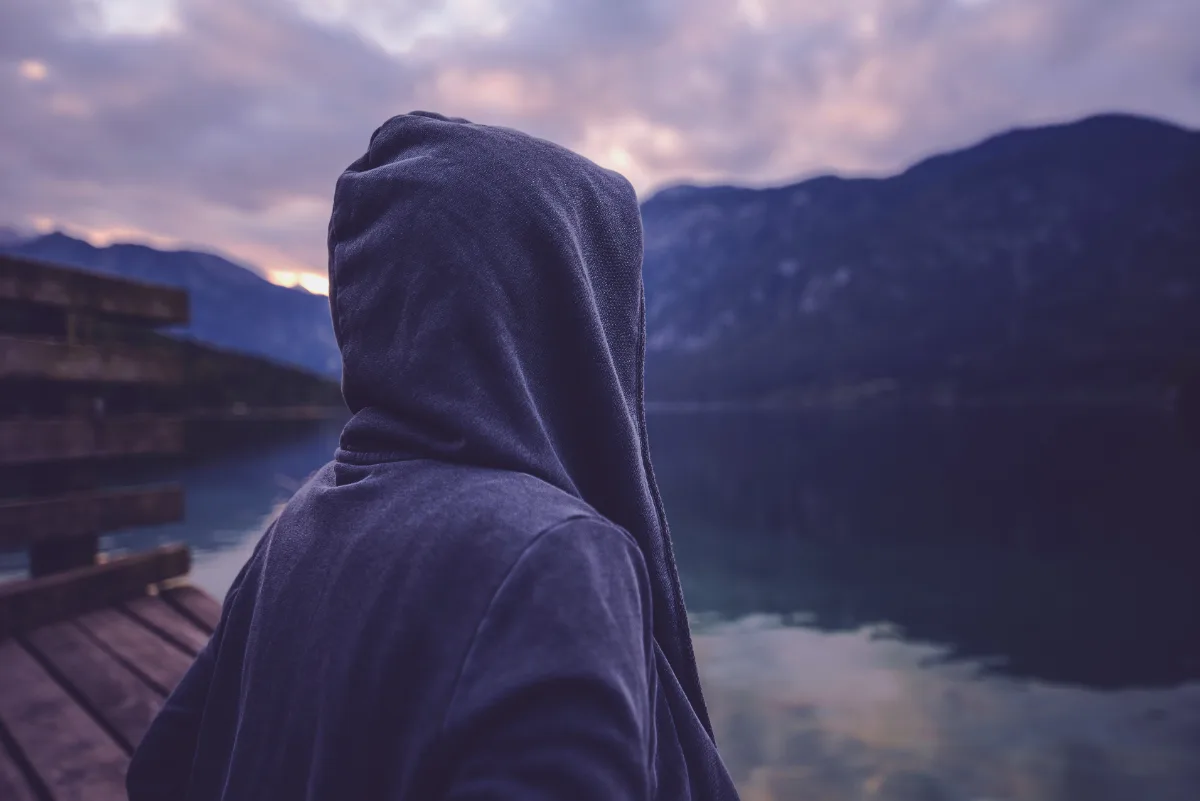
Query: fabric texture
x=477, y=599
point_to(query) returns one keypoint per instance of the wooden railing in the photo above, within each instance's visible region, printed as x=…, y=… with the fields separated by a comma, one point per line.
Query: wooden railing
x=38, y=521
x=54, y=360
x=68, y=574
x=50, y=439
x=34, y=602
x=78, y=357
x=47, y=285
x=66, y=332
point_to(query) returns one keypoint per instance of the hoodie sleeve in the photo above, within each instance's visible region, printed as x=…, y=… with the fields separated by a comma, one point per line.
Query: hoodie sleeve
x=553, y=700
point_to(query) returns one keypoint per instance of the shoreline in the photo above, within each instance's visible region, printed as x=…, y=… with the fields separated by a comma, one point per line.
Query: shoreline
x=1143, y=399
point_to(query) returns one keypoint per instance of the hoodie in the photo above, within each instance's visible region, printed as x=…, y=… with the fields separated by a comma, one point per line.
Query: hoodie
x=477, y=598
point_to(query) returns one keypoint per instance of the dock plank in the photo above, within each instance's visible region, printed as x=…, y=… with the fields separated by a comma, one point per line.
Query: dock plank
x=27, y=604
x=33, y=521
x=43, y=284
x=137, y=647
x=198, y=605
x=72, y=755
x=54, y=360
x=122, y=700
x=169, y=622
x=13, y=786
x=61, y=439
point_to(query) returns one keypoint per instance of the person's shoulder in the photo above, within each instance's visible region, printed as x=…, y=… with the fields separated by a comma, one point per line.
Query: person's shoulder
x=580, y=556
x=505, y=494
x=464, y=523
x=508, y=538
x=499, y=515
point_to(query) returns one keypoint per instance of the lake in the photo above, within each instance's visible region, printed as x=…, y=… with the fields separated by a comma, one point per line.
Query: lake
x=983, y=605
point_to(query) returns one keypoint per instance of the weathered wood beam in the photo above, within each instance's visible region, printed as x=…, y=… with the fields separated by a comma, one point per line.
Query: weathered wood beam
x=52, y=360
x=267, y=414
x=156, y=614
x=37, y=521
x=200, y=607
x=72, y=755
x=48, y=599
x=13, y=785
x=67, y=438
x=114, y=694
x=42, y=284
x=55, y=557
x=157, y=661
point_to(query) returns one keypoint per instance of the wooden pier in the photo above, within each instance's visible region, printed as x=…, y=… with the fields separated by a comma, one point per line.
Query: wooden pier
x=91, y=644
x=76, y=696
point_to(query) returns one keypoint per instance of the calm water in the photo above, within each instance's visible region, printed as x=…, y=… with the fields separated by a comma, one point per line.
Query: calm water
x=994, y=605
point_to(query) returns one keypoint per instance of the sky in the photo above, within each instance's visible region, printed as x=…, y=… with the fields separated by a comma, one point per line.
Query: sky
x=223, y=124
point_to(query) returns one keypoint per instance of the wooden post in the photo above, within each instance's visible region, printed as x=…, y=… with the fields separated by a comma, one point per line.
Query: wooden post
x=54, y=557
x=71, y=552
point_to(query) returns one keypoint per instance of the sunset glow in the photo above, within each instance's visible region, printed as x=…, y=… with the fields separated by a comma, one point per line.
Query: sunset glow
x=316, y=284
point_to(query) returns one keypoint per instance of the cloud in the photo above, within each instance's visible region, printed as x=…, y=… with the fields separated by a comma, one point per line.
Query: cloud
x=224, y=123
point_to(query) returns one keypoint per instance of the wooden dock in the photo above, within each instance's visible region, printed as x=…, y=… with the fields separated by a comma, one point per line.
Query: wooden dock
x=89, y=645
x=76, y=696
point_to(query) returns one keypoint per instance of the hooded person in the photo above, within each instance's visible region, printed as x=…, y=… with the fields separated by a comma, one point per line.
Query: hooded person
x=477, y=599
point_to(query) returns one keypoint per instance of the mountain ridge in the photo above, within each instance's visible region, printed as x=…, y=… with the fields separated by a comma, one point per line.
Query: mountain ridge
x=1063, y=255
x=988, y=141
x=1060, y=255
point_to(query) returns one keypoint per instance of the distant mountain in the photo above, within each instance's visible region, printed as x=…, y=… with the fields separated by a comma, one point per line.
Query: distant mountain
x=232, y=307
x=1065, y=256
x=1058, y=256
x=10, y=236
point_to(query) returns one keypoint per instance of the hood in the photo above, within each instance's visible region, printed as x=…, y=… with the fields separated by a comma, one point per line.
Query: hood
x=486, y=292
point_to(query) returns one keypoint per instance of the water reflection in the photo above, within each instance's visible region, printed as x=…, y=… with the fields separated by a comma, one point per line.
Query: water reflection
x=1004, y=537
x=803, y=714
x=912, y=607
x=930, y=607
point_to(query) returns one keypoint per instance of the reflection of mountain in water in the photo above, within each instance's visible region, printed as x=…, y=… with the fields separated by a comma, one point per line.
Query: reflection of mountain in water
x=803, y=714
x=1059, y=543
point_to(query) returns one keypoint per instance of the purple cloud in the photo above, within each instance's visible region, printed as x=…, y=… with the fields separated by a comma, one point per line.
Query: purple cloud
x=227, y=124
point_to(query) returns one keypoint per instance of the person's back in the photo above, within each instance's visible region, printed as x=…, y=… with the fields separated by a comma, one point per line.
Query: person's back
x=477, y=598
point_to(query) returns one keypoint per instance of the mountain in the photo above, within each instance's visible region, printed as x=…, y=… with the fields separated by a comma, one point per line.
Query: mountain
x=1049, y=257
x=232, y=307
x=10, y=236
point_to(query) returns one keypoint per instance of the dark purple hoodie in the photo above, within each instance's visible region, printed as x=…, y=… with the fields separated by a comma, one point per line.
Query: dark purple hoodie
x=477, y=598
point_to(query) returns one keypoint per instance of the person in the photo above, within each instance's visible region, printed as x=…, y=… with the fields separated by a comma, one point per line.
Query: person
x=477, y=599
